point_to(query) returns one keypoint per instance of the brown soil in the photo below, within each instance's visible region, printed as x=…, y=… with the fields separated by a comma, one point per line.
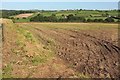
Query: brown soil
x=24, y=15
x=94, y=52
x=20, y=65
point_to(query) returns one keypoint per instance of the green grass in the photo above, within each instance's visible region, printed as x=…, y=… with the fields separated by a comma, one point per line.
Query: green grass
x=43, y=57
x=7, y=71
x=26, y=34
x=44, y=52
x=22, y=20
x=82, y=76
x=24, y=37
x=38, y=59
x=83, y=13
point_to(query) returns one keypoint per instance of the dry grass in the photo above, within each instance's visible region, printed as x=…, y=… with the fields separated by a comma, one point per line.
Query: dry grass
x=73, y=26
x=24, y=15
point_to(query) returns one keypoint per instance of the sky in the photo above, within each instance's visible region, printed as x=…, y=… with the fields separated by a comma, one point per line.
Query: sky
x=59, y=0
x=58, y=5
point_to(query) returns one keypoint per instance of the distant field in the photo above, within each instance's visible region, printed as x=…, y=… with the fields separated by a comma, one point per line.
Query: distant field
x=88, y=14
x=84, y=13
x=66, y=50
x=26, y=15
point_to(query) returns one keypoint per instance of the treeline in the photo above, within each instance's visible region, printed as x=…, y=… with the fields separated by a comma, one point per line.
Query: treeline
x=8, y=13
x=69, y=18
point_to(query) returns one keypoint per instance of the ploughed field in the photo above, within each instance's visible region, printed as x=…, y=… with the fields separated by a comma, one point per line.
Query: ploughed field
x=80, y=50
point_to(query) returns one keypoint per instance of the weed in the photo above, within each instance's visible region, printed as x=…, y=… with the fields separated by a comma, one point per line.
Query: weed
x=38, y=59
x=82, y=76
x=7, y=71
x=27, y=34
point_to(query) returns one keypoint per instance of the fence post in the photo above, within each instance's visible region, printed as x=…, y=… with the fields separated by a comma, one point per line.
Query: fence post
x=2, y=32
x=1, y=48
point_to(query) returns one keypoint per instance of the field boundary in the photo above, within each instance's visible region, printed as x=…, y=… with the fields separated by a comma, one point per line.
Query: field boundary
x=1, y=40
x=70, y=22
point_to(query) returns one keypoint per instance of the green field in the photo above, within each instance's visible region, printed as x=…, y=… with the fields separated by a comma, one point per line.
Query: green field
x=88, y=14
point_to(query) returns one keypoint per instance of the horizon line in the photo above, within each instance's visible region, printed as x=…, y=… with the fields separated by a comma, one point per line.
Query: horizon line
x=58, y=9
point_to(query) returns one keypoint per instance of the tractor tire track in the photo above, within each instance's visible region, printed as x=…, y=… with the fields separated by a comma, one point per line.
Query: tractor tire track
x=85, y=53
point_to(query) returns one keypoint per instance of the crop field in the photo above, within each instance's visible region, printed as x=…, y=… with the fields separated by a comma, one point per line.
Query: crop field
x=87, y=14
x=60, y=50
x=24, y=15
x=80, y=13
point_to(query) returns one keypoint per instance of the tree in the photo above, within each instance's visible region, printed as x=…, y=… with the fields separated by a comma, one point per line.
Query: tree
x=38, y=18
x=89, y=20
x=17, y=18
x=91, y=16
x=53, y=15
x=95, y=20
x=63, y=15
x=62, y=20
x=12, y=17
x=109, y=19
x=24, y=17
x=98, y=20
x=70, y=17
x=105, y=15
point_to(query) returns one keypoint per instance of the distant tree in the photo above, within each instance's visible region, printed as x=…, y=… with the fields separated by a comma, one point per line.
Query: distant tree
x=91, y=16
x=62, y=20
x=38, y=18
x=80, y=10
x=118, y=21
x=17, y=18
x=12, y=17
x=63, y=15
x=70, y=16
x=95, y=20
x=98, y=20
x=81, y=19
x=53, y=18
x=53, y=15
x=89, y=20
x=24, y=17
x=105, y=15
x=109, y=19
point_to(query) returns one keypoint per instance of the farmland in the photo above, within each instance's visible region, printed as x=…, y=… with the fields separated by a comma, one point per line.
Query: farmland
x=61, y=15
x=60, y=50
x=23, y=15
